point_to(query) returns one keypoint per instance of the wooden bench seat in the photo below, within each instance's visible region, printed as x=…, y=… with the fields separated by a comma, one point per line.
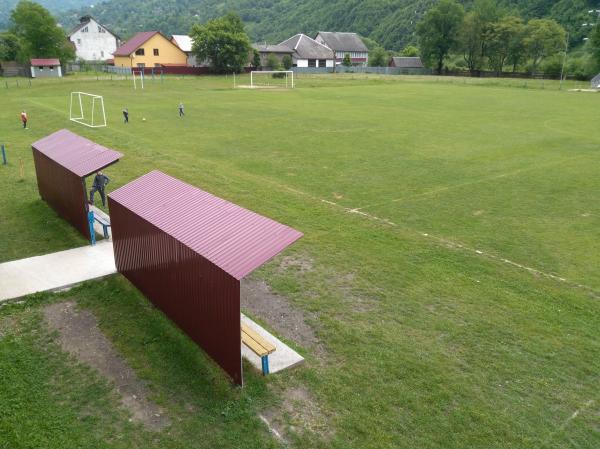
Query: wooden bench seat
x=258, y=345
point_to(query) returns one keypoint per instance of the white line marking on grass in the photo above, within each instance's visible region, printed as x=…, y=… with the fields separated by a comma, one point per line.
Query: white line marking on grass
x=449, y=243
x=467, y=183
x=272, y=429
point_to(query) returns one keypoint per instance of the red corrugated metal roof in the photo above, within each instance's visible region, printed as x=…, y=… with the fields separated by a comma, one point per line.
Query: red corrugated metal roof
x=233, y=238
x=77, y=154
x=45, y=62
x=134, y=43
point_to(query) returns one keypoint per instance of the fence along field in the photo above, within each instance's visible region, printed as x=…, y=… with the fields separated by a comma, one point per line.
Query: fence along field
x=397, y=183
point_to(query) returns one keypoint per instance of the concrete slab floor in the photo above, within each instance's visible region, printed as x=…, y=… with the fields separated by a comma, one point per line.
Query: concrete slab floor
x=284, y=357
x=55, y=271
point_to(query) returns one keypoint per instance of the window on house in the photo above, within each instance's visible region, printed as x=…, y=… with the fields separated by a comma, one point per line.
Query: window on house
x=85, y=30
x=141, y=65
x=156, y=52
x=139, y=52
x=156, y=64
x=312, y=62
x=100, y=30
x=78, y=41
x=51, y=67
x=322, y=63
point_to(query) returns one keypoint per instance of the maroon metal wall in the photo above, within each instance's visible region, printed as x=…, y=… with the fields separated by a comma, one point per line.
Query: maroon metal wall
x=63, y=190
x=198, y=296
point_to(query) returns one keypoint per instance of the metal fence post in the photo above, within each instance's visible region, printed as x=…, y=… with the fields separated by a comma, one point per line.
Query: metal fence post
x=92, y=232
x=3, y=155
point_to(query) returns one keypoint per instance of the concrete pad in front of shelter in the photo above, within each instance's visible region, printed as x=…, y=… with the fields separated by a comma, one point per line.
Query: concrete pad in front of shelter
x=283, y=357
x=55, y=271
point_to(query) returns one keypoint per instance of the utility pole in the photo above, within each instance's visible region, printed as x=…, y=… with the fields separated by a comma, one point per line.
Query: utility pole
x=562, y=70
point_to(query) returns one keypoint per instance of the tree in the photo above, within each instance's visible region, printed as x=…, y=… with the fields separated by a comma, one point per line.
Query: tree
x=473, y=33
x=438, y=32
x=378, y=58
x=255, y=58
x=505, y=42
x=273, y=62
x=39, y=34
x=594, y=45
x=347, y=62
x=223, y=41
x=287, y=62
x=9, y=47
x=410, y=51
x=543, y=38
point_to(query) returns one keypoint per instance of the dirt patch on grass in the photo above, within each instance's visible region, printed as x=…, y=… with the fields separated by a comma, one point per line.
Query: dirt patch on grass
x=298, y=413
x=301, y=264
x=80, y=336
x=278, y=312
x=7, y=324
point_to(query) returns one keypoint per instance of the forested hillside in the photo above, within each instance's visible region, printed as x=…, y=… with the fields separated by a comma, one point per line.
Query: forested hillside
x=54, y=6
x=390, y=22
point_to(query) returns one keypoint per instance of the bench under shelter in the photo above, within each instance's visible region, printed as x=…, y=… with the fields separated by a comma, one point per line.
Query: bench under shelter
x=62, y=162
x=186, y=250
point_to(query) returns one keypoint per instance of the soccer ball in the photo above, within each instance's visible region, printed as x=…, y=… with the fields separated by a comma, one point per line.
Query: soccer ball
x=144, y=119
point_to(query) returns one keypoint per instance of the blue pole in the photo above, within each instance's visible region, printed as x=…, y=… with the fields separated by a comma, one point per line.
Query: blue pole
x=3, y=155
x=265, y=364
x=92, y=232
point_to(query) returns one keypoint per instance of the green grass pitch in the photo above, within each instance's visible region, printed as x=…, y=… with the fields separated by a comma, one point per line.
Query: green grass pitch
x=449, y=264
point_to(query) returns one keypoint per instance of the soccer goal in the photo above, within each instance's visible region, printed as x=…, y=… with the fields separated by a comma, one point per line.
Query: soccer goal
x=282, y=79
x=137, y=75
x=87, y=109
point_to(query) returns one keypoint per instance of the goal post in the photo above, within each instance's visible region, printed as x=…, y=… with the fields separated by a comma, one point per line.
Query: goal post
x=87, y=109
x=272, y=79
x=140, y=75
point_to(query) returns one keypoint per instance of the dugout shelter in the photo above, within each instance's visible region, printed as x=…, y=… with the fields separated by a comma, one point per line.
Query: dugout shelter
x=187, y=250
x=62, y=162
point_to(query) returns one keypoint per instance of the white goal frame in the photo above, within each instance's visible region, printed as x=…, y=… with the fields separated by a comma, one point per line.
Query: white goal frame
x=140, y=73
x=81, y=118
x=288, y=85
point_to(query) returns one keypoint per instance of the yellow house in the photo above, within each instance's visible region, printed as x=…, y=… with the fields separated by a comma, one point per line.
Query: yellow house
x=149, y=49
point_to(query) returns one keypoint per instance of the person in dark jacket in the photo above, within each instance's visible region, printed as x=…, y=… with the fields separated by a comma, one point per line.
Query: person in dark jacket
x=100, y=182
x=126, y=115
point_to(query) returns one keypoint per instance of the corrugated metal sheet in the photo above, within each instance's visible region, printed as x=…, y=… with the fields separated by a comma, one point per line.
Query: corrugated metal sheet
x=200, y=298
x=77, y=154
x=186, y=250
x=134, y=43
x=62, y=161
x=233, y=238
x=44, y=62
x=63, y=190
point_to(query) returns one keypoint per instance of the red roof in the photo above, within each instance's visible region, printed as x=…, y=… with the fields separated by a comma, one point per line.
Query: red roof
x=134, y=43
x=77, y=154
x=45, y=62
x=233, y=238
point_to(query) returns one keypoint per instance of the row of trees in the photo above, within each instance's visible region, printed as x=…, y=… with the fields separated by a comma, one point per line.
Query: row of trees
x=487, y=37
x=34, y=33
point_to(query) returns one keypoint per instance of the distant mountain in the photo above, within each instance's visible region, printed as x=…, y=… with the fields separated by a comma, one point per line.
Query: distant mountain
x=54, y=6
x=389, y=22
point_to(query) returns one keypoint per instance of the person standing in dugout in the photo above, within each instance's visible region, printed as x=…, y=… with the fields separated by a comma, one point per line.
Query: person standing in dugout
x=99, y=185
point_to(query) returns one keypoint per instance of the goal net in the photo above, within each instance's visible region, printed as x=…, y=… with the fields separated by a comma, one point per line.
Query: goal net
x=282, y=79
x=87, y=109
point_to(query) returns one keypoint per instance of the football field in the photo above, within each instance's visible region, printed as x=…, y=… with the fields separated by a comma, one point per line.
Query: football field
x=448, y=273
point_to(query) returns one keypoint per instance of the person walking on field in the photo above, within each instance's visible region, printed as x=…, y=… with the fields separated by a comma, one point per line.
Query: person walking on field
x=181, y=113
x=24, y=119
x=100, y=182
x=125, y=115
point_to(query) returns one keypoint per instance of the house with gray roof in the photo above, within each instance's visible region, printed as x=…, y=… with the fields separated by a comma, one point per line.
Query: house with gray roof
x=264, y=50
x=344, y=44
x=307, y=52
x=407, y=62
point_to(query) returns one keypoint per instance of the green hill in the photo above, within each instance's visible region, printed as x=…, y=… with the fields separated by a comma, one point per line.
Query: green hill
x=389, y=22
x=55, y=6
